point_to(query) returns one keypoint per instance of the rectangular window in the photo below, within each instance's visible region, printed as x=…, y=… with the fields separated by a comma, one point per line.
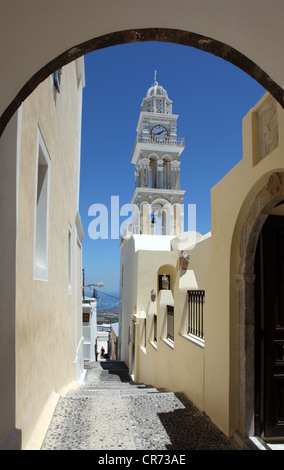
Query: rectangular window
x=195, y=312
x=155, y=328
x=69, y=259
x=41, y=212
x=170, y=322
x=143, y=333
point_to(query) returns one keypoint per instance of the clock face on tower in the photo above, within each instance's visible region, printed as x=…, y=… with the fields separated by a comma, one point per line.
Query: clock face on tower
x=159, y=131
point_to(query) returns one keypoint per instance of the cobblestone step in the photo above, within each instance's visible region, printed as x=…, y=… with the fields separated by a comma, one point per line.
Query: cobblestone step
x=109, y=413
x=114, y=386
x=82, y=393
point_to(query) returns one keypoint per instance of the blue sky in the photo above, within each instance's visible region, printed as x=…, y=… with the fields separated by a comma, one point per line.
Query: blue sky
x=210, y=96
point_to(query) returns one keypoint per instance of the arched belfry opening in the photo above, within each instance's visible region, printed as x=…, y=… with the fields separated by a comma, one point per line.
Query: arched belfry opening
x=153, y=172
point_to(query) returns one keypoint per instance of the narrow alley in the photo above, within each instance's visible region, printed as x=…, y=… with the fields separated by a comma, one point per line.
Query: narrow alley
x=110, y=412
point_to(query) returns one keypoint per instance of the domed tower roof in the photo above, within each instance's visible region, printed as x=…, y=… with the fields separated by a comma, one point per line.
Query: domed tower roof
x=157, y=100
x=156, y=89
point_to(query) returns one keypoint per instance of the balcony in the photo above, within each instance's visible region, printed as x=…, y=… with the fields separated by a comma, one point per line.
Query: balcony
x=159, y=144
x=165, y=140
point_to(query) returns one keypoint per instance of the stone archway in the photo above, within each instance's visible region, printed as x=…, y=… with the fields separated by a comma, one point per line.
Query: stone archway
x=271, y=194
x=174, y=36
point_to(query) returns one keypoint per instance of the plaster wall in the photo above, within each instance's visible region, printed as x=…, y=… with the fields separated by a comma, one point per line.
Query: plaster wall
x=178, y=365
x=49, y=29
x=231, y=200
x=213, y=374
x=10, y=437
x=128, y=296
x=48, y=322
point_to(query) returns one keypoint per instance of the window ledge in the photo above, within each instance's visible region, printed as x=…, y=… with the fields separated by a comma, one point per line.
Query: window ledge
x=40, y=273
x=168, y=342
x=193, y=339
x=154, y=345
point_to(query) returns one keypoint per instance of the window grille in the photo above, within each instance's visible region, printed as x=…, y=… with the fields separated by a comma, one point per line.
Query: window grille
x=195, y=312
x=149, y=106
x=159, y=106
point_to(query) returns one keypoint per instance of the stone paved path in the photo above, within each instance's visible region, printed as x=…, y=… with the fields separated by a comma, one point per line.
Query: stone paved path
x=109, y=412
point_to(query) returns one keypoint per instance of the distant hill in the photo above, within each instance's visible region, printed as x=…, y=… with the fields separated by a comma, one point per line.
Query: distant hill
x=107, y=316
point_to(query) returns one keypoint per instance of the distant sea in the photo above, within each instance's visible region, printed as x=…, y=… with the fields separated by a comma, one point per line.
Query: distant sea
x=107, y=300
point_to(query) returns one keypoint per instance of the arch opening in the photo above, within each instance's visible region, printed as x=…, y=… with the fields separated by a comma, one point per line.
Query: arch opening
x=257, y=393
x=174, y=36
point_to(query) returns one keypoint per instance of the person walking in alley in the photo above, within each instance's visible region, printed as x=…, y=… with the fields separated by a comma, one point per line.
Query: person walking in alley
x=102, y=352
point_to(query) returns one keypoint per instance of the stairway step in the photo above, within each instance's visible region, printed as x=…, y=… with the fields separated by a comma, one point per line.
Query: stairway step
x=93, y=392
x=116, y=396
x=113, y=384
x=111, y=379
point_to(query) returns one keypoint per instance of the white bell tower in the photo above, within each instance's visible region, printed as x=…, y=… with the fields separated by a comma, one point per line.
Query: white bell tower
x=156, y=153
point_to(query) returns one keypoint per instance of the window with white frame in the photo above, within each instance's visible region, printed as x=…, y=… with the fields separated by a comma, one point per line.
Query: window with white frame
x=143, y=339
x=155, y=336
x=41, y=212
x=69, y=259
x=170, y=322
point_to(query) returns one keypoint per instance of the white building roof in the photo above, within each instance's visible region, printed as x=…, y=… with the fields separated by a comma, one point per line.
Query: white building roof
x=153, y=242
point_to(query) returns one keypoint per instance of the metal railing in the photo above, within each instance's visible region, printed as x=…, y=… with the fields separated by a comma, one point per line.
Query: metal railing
x=169, y=140
x=170, y=322
x=195, y=312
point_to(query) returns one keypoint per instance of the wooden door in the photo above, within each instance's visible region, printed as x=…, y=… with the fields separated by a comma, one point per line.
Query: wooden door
x=269, y=332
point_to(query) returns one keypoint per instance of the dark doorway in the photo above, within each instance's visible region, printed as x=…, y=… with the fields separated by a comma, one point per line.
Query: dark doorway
x=269, y=330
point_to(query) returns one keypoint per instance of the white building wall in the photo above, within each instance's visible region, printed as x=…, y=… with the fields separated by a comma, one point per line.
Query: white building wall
x=90, y=329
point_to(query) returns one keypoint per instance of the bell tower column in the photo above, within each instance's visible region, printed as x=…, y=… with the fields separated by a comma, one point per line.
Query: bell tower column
x=175, y=174
x=160, y=168
x=143, y=172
